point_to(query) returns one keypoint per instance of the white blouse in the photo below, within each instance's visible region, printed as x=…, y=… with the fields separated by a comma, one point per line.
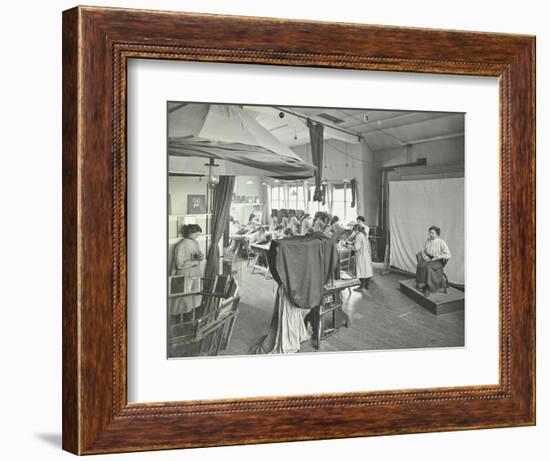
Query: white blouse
x=437, y=249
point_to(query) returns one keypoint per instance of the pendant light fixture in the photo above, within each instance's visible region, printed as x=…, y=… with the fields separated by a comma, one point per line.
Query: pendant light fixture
x=212, y=179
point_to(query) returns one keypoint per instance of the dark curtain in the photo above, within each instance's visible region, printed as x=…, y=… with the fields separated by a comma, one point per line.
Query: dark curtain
x=353, y=192
x=221, y=204
x=316, y=141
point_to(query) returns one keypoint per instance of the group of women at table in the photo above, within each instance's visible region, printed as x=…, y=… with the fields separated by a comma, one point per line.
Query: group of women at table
x=283, y=223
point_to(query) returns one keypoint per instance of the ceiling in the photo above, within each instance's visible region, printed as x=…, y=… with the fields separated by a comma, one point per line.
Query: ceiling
x=381, y=129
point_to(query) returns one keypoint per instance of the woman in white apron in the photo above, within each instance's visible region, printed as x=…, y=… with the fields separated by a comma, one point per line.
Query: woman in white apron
x=363, y=263
x=187, y=261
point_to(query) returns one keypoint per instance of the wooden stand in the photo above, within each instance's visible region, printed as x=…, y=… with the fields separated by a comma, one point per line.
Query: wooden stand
x=327, y=318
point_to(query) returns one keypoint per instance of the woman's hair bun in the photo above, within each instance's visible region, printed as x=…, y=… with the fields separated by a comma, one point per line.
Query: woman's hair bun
x=188, y=229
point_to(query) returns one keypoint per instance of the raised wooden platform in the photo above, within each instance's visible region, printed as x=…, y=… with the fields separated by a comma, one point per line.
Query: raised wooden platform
x=438, y=302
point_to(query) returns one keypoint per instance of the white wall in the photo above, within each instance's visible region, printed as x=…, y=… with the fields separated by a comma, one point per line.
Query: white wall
x=30, y=190
x=437, y=153
x=179, y=187
x=370, y=190
x=243, y=186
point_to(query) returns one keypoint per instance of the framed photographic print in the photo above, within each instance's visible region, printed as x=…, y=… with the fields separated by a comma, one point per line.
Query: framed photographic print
x=359, y=190
x=196, y=204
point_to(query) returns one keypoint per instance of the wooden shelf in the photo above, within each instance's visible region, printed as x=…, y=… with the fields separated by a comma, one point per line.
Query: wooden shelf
x=248, y=204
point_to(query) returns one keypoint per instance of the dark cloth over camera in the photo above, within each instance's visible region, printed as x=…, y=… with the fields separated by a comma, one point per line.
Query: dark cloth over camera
x=303, y=265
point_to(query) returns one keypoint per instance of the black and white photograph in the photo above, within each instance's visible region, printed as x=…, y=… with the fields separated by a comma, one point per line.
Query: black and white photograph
x=276, y=230
x=313, y=229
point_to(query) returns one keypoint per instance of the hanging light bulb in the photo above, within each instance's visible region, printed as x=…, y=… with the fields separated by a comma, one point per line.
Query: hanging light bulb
x=212, y=179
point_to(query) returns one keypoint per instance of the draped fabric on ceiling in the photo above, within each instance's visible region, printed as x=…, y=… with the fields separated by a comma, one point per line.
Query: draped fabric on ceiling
x=227, y=132
x=223, y=193
x=316, y=141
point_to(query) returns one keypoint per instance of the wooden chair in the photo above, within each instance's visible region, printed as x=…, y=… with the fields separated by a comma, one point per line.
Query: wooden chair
x=243, y=248
x=250, y=255
x=446, y=285
x=444, y=263
x=347, y=264
x=208, y=328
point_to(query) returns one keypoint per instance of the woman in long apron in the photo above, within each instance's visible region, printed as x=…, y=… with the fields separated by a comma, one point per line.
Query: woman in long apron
x=187, y=261
x=363, y=263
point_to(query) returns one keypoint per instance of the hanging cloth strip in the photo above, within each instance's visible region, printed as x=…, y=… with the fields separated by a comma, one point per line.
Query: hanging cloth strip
x=353, y=186
x=316, y=140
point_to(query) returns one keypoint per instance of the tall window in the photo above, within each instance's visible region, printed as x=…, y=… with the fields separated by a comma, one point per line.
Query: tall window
x=294, y=201
x=300, y=198
x=341, y=206
x=296, y=197
x=339, y=203
x=277, y=197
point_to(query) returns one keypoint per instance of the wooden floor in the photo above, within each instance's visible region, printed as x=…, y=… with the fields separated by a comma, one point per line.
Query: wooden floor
x=383, y=318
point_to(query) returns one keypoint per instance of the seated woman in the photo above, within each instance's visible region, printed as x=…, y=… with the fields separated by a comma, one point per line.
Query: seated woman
x=293, y=223
x=259, y=236
x=274, y=220
x=336, y=228
x=233, y=225
x=278, y=232
x=253, y=223
x=431, y=260
x=288, y=232
x=284, y=222
x=236, y=231
x=320, y=222
x=306, y=224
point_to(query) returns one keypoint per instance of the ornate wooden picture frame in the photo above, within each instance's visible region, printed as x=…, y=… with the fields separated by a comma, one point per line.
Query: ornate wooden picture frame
x=97, y=44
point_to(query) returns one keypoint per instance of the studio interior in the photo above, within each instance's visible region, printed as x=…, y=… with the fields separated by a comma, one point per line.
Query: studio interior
x=302, y=229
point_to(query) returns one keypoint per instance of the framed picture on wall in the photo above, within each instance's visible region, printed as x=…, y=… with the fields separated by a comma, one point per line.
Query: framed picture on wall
x=196, y=204
x=435, y=127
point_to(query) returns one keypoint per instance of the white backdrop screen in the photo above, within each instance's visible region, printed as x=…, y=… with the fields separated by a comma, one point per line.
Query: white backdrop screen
x=415, y=206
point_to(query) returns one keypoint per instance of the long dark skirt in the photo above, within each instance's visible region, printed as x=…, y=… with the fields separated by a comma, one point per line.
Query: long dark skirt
x=429, y=274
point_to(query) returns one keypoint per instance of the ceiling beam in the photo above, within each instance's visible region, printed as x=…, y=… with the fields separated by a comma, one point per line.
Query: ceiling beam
x=437, y=138
x=370, y=125
x=176, y=107
x=325, y=124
